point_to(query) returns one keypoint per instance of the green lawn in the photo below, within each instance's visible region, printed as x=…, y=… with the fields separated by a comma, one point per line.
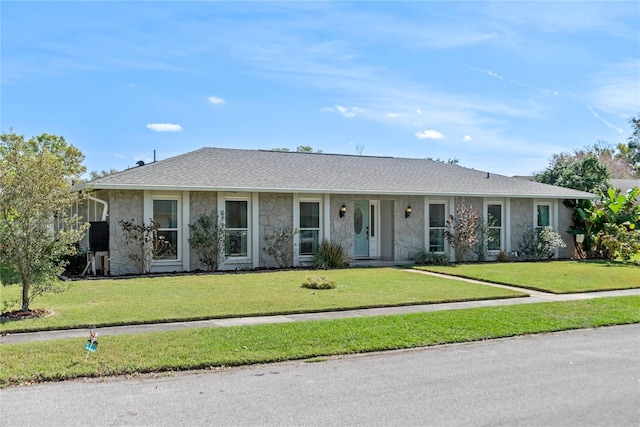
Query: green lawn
x=214, y=347
x=558, y=277
x=91, y=303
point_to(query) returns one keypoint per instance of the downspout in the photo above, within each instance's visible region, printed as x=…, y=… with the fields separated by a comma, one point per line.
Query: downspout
x=106, y=206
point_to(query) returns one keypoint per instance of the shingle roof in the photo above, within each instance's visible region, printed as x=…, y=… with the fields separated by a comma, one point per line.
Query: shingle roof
x=222, y=169
x=624, y=184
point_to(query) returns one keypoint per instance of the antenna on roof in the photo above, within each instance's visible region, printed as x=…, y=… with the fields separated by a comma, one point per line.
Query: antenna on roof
x=154, y=156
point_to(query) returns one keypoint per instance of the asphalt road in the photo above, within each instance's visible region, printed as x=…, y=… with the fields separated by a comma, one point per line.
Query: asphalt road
x=577, y=378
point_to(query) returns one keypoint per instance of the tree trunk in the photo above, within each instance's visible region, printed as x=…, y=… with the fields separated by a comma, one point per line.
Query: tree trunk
x=25, y=295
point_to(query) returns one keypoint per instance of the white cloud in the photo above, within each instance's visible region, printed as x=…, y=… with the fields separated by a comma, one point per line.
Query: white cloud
x=216, y=100
x=467, y=138
x=347, y=112
x=429, y=134
x=164, y=127
x=395, y=115
x=489, y=73
x=603, y=120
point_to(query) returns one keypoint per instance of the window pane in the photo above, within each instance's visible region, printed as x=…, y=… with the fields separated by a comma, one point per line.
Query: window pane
x=309, y=215
x=308, y=242
x=436, y=240
x=237, y=243
x=494, y=243
x=372, y=219
x=495, y=215
x=166, y=245
x=236, y=214
x=543, y=216
x=165, y=213
x=358, y=220
x=436, y=215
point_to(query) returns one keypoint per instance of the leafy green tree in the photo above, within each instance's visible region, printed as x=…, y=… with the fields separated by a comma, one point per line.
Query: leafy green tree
x=631, y=150
x=102, y=173
x=36, y=190
x=304, y=149
x=300, y=149
x=586, y=174
x=611, y=226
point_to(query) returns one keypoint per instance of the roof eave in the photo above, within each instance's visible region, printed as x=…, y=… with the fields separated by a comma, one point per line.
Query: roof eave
x=132, y=187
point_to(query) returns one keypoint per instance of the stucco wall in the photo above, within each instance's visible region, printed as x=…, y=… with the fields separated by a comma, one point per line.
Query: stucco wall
x=521, y=221
x=564, y=223
x=123, y=205
x=275, y=215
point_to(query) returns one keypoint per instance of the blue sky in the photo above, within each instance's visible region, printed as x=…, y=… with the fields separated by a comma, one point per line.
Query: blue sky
x=500, y=86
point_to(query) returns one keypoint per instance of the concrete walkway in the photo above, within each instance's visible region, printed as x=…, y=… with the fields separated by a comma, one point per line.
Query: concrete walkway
x=534, y=297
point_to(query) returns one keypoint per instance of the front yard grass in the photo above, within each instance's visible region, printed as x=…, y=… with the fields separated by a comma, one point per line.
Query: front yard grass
x=218, y=347
x=558, y=277
x=94, y=303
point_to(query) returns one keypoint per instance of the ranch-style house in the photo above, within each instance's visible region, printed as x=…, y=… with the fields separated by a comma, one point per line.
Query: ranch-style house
x=376, y=208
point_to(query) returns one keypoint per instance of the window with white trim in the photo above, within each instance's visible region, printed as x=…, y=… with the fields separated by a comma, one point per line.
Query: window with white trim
x=437, y=226
x=494, y=221
x=309, y=227
x=543, y=215
x=236, y=216
x=166, y=216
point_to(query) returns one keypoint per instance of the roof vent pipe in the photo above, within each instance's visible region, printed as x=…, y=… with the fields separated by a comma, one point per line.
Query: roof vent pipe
x=487, y=174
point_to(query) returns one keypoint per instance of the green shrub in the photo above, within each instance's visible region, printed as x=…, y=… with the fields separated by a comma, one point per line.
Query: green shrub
x=430, y=258
x=318, y=282
x=76, y=263
x=278, y=245
x=209, y=239
x=539, y=243
x=329, y=255
x=502, y=256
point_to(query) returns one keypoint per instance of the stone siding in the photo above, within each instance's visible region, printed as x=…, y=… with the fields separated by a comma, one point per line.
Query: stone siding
x=275, y=215
x=126, y=206
x=342, y=228
x=200, y=202
x=409, y=232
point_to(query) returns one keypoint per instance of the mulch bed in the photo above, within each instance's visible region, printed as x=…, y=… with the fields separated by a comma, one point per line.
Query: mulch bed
x=21, y=315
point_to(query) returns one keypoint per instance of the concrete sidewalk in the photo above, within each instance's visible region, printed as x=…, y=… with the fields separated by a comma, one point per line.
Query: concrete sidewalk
x=534, y=297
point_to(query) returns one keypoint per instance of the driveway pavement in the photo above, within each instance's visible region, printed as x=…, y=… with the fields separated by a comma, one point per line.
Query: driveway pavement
x=534, y=297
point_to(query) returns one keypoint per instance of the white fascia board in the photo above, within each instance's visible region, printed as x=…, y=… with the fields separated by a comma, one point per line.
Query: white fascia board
x=98, y=186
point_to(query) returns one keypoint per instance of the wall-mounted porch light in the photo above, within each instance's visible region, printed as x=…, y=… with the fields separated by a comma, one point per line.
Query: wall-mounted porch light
x=407, y=212
x=343, y=210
